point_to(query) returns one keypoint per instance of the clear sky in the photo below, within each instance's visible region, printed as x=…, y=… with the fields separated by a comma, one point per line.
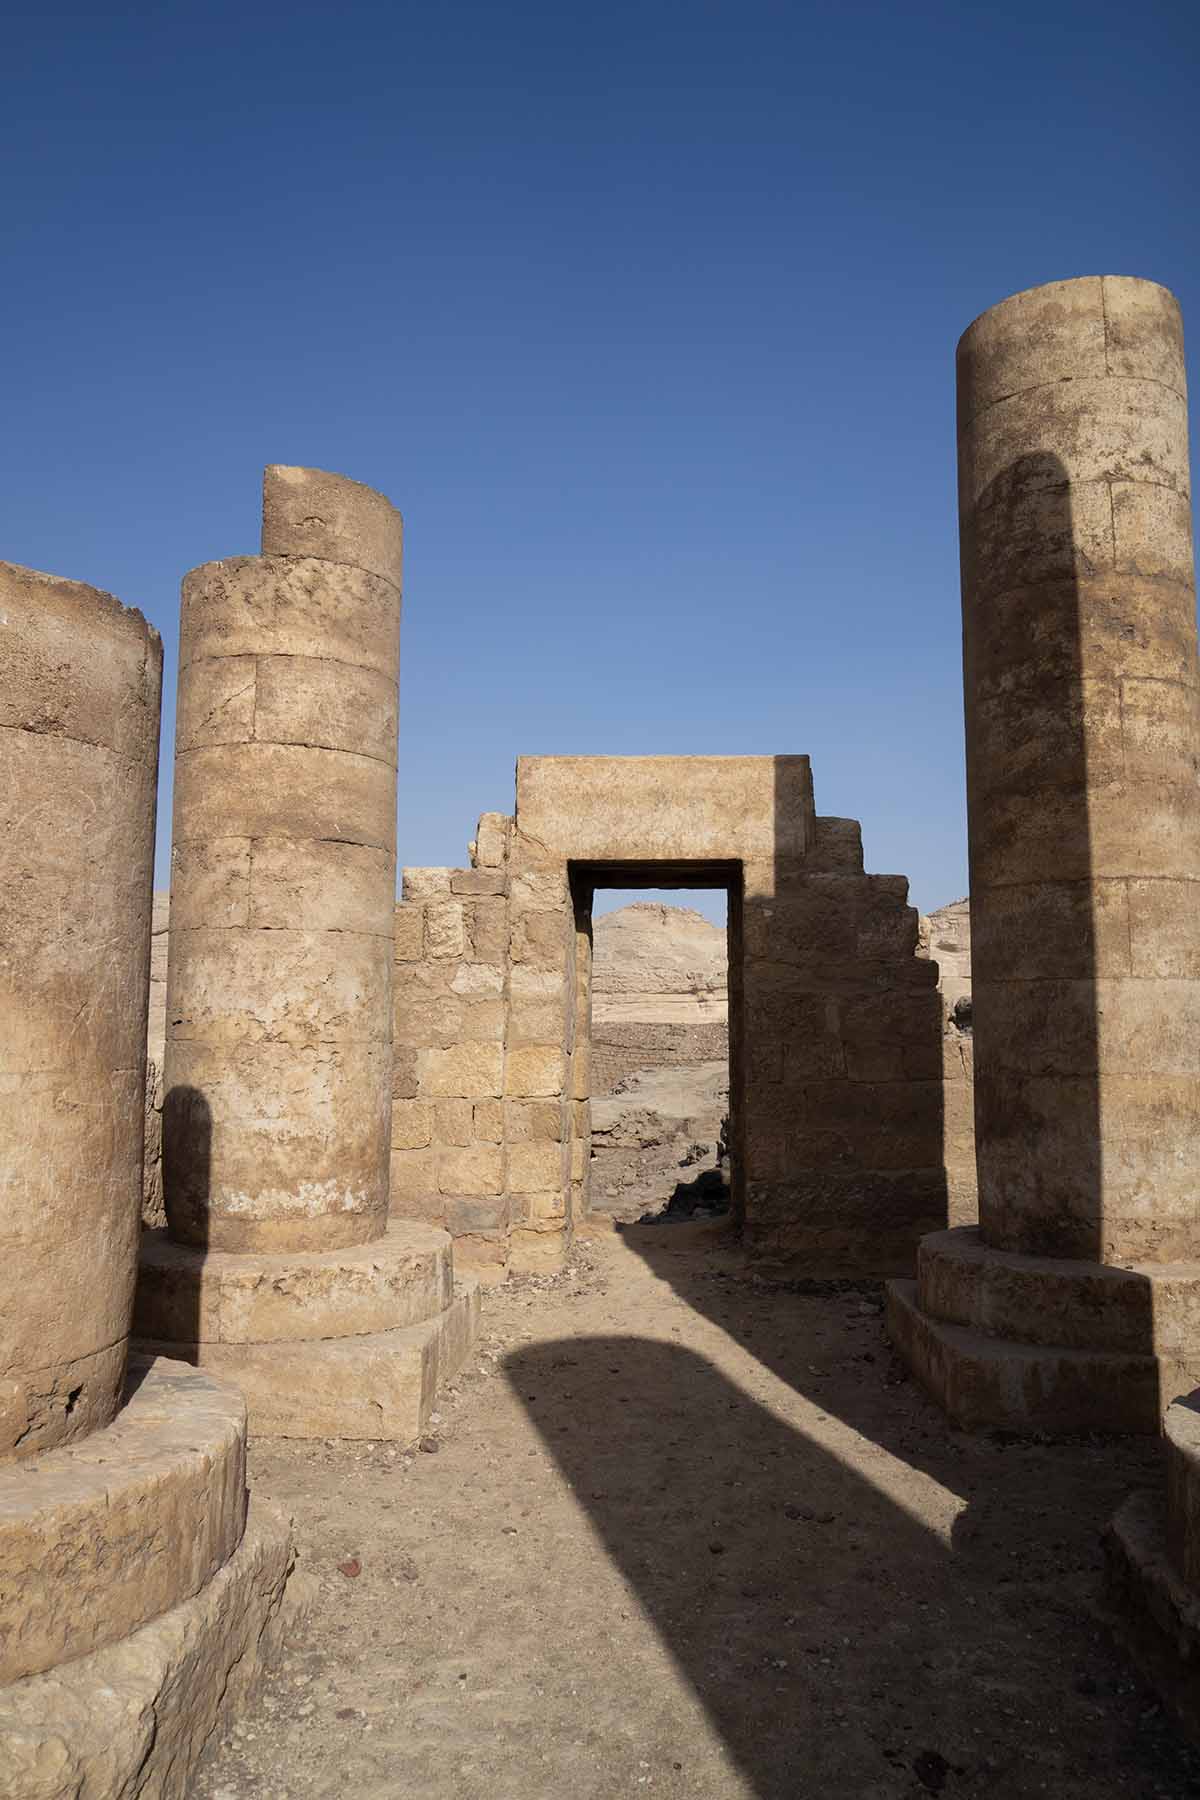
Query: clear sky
x=644, y=314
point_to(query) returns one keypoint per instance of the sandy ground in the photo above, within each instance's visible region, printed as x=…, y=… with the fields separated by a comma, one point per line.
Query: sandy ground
x=680, y=1532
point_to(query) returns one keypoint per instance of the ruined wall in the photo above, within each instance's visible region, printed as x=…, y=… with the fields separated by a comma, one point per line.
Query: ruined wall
x=945, y=937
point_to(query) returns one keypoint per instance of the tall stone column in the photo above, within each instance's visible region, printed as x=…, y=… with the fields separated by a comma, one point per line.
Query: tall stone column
x=278, y=1060
x=283, y=876
x=80, y=676
x=116, y=1507
x=1077, y=1301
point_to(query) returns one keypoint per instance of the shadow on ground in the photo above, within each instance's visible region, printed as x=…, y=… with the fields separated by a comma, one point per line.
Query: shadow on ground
x=893, y=1610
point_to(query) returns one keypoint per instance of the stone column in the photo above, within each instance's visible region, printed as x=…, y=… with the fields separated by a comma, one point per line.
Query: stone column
x=116, y=1507
x=279, y=1267
x=278, y=1053
x=80, y=677
x=1083, y=741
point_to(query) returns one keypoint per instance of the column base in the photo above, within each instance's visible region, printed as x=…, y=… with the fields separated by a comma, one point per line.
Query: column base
x=348, y=1343
x=1154, y=1611
x=135, y=1717
x=1041, y=1344
x=378, y=1385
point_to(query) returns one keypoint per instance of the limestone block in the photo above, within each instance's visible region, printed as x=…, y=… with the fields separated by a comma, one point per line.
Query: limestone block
x=1164, y=929
x=533, y=1070
x=298, y=886
x=312, y=513
x=1152, y=539
x=461, y=1071
x=210, y=882
x=534, y=1252
x=488, y=1121
x=444, y=934
x=216, y=706
x=837, y=846
x=377, y=1385
x=427, y=884
x=134, y=1718
x=239, y=1122
x=541, y=938
x=534, y=1167
x=191, y=1296
x=475, y=1215
x=404, y=1072
x=987, y=1383
x=455, y=1121
x=536, y=1022
x=412, y=1124
x=478, y=979
x=409, y=934
x=475, y=882
x=482, y=1020
x=491, y=840
x=475, y=1170
x=310, y=700
x=1047, y=334
x=540, y=888
x=127, y=1522
x=290, y=606
x=284, y=791
x=414, y=1182
x=487, y=930
x=666, y=808
x=1048, y=1300
x=526, y=1120
x=304, y=988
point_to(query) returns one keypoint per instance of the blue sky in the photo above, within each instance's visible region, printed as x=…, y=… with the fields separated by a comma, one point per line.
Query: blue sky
x=643, y=314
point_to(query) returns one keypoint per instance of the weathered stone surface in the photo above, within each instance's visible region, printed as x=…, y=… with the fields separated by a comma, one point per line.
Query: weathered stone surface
x=1151, y=1308
x=1154, y=1610
x=311, y=512
x=665, y=809
x=277, y=1065
x=132, y=1720
x=374, y=1385
x=80, y=677
x=986, y=1383
x=100, y=1535
x=1081, y=770
x=190, y=1295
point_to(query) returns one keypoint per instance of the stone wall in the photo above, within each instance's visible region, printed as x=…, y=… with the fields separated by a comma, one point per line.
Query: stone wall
x=845, y=1147
x=945, y=937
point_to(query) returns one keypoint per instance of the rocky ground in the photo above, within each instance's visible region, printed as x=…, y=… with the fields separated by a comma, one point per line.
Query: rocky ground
x=661, y=1127
x=678, y=1531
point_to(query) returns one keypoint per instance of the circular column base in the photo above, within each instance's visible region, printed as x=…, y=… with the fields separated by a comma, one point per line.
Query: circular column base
x=135, y=1717
x=102, y=1535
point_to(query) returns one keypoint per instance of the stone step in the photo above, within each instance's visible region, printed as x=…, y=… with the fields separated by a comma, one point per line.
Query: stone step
x=102, y=1535
x=134, y=1717
x=376, y=1385
x=189, y=1296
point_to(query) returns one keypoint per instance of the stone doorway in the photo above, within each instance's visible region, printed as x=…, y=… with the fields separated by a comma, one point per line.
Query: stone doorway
x=836, y=1051
x=657, y=998
x=660, y=1055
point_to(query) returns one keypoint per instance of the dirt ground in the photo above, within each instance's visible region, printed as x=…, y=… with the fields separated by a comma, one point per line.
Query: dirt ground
x=679, y=1531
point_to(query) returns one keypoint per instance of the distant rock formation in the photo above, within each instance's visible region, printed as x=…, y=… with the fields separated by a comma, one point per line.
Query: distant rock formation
x=660, y=1052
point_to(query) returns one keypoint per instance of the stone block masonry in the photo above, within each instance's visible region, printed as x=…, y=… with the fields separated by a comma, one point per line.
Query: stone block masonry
x=279, y=1266
x=836, y=1027
x=122, y=1507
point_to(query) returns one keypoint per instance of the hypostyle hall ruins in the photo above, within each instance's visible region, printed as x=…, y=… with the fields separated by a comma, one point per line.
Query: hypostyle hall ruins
x=364, y=1111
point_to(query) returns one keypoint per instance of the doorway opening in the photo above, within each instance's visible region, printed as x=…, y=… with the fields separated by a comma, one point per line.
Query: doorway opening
x=653, y=1032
